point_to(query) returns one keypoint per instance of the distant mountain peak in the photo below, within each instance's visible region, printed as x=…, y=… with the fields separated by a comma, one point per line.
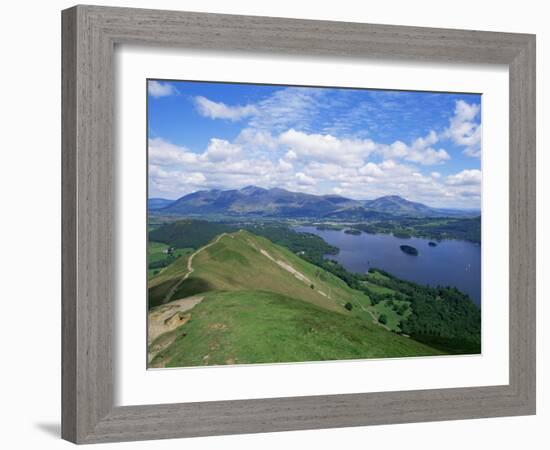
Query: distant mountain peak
x=391, y=197
x=252, y=189
x=278, y=202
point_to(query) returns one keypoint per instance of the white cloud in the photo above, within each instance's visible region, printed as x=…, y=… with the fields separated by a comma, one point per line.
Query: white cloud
x=371, y=169
x=324, y=147
x=329, y=171
x=157, y=89
x=465, y=178
x=276, y=149
x=291, y=155
x=304, y=179
x=388, y=164
x=221, y=150
x=175, y=171
x=397, y=149
x=257, y=139
x=420, y=150
x=428, y=157
x=285, y=166
x=164, y=153
x=173, y=181
x=389, y=177
x=219, y=110
x=464, y=130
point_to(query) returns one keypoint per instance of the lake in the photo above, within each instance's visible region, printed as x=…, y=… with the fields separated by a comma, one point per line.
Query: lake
x=450, y=263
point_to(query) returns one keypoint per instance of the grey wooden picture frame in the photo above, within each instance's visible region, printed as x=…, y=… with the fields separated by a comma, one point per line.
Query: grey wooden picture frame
x=90, y=34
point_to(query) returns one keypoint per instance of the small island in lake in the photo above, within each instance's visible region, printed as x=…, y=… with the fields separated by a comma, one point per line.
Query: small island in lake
x=352, y=231
x=409, y=250
x=432, y=244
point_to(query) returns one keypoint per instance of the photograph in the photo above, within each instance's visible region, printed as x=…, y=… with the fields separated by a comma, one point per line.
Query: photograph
x=296, y=224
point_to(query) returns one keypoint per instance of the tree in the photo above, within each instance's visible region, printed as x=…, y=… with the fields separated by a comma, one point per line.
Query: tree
x=348, y=306
x=402, y=308
x=383, y=319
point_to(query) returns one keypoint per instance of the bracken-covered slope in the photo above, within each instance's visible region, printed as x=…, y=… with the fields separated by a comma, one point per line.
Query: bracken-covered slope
x=256, y=302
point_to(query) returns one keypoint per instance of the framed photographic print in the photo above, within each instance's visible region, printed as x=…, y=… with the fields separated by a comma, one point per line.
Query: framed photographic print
x=285, y=217
x=289, y=235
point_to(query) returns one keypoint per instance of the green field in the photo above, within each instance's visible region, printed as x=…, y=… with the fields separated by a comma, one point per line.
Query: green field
x=263, y=303
x=158, y=259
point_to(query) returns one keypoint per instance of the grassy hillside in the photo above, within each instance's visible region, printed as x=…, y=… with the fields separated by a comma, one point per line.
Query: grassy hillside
x=244, y=261
x=245, y=327
x=260, y=302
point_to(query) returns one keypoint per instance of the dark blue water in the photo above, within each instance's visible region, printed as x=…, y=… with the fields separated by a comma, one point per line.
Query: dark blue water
x=451, y=263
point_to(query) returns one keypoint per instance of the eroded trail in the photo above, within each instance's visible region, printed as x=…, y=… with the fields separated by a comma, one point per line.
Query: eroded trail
x=172, y=291
x=286, y=266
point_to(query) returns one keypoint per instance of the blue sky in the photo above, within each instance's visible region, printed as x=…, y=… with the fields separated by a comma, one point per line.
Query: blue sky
x=359, y=143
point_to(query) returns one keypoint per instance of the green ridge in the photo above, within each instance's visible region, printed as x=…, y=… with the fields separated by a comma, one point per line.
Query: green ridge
x=256, y=310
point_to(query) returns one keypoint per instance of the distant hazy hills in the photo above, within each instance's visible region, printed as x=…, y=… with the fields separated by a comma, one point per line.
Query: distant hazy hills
x=158, y=203
x=256, y=201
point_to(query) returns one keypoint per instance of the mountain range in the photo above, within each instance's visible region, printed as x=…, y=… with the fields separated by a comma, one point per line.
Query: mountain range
x=255, y=201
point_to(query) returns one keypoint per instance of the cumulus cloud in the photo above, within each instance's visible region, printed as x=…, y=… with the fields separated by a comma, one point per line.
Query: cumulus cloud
x=287, y=141
x=158, y=89
x=464, y=129
x=171, y=181
x=164, y=153
x=302, y=178
x=465, y=178
x=419, y=151
x=284, y=165
x=396, y=149
x=219, y=150
x=219, y=110
x=175, y=170
x=291, y=155
x=324, y=147
x=256, y=139
x=371, y=169
x=429, y=156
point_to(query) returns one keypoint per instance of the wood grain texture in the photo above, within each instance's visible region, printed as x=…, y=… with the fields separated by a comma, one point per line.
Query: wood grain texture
x=89, y=36
x=68, y=225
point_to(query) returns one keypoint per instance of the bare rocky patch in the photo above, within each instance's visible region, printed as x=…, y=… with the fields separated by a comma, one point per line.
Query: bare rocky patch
x=163, y=320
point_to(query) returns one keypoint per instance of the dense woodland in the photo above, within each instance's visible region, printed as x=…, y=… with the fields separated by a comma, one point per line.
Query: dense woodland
x=442, y=316
x=466, y=229
x=188, y=233
x=308, y=245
